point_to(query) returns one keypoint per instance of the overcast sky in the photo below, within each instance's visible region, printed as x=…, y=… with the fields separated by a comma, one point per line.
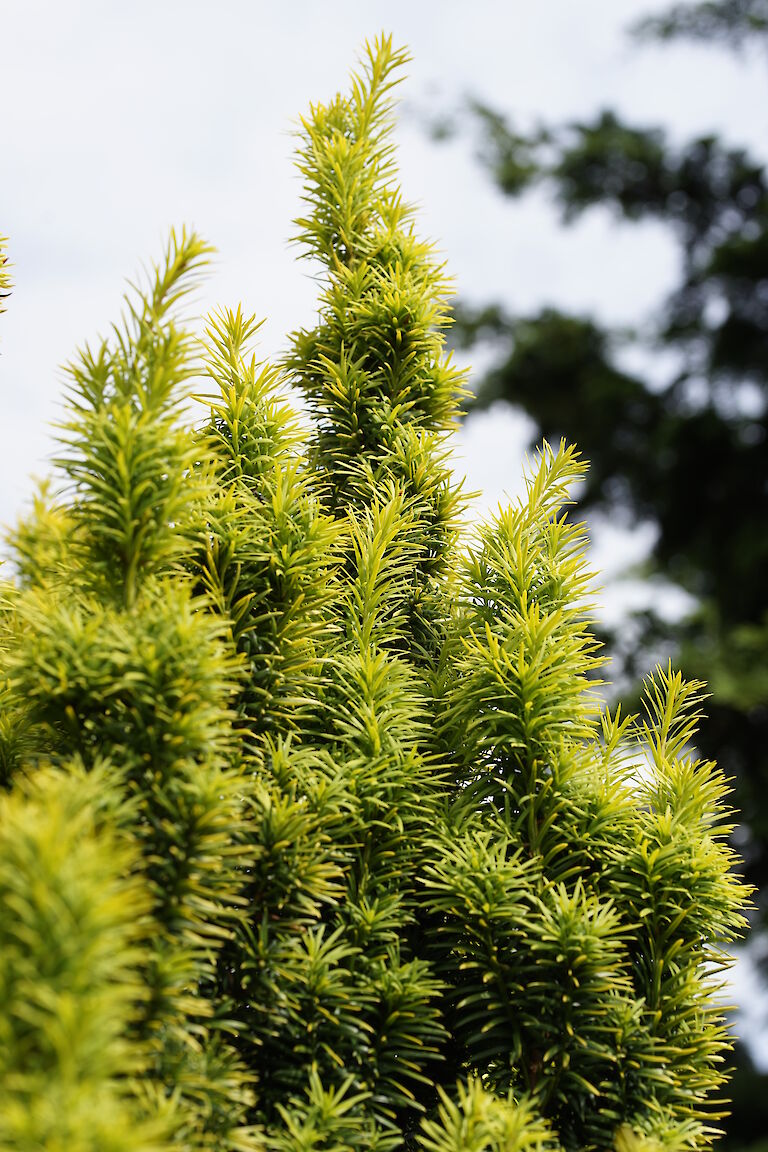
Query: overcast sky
x=121, y=118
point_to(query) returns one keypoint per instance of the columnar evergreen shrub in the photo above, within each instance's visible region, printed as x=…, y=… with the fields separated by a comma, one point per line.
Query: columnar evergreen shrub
x=317, y=836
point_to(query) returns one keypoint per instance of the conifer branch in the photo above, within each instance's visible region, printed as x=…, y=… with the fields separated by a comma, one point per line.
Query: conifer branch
x=317, y=835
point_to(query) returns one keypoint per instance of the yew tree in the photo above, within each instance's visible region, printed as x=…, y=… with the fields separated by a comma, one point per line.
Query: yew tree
x=315, y=833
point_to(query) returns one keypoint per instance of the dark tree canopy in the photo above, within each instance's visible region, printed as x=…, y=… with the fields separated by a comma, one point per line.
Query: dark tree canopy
x=735, y=21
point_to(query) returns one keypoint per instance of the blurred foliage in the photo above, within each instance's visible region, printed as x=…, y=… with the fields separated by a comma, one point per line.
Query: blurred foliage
x=735, y=21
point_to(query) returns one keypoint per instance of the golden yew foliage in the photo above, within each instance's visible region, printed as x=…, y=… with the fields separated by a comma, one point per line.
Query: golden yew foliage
x=317, y=835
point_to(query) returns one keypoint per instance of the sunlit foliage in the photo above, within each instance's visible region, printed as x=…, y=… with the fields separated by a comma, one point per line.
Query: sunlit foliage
x=317, y=836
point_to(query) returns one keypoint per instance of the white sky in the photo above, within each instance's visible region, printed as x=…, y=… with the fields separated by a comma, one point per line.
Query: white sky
x=121, y=118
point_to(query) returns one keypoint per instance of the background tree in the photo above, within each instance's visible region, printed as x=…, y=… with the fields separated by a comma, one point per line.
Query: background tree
x=732, y=20
x=394, y=878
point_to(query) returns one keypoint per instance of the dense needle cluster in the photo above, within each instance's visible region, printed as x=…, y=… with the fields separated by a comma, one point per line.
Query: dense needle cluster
x=316, y=835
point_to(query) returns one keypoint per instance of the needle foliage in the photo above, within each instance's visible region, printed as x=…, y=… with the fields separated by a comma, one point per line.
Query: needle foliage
x=5, y=273
x=316, y=835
